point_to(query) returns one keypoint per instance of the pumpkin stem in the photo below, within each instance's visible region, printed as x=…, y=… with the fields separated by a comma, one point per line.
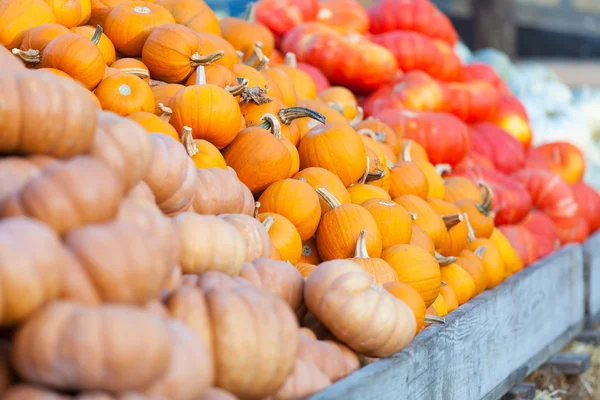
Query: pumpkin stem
x=363, y=178
x=406, y=156
x=480, y=251
x=200, y=76
x=443, y=283
x=271, y=122
x=257, y=59
x=378, y=136
x=360, y=115
x=167, y=112
x=471, y=232
x=197, y=59
x=237, y=90
x=336, y=106
x=256, y=207
x=30, y=56
x=413, y=215
x=287, y=115
x=187, y=139
x=268, y=223
x=240, y=55
x=97, y=35
x=443, y=261
x=139, y=72
x=452, y=220
x=154, y=82
x=442, y=169
x=291, y=60
x=249, y=13
x=361, y=245
x=389, y=164
x=256, y=95
x=329, y=198
x=488, y=197
x=378, y=174
x=434, y=319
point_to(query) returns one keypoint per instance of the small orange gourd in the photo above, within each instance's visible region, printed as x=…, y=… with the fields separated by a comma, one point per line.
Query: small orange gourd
x=427, y=218
x=491, y=259
x=449, y=297
x=394, y=222
x=420, y=239
x=203, y=153
x=407, y=178
x=460, y=281
x=411, y=298
x=153, y=123
x=361, y=192
x=380, y=270
x=321, y=178
x=284, y=236
x=125, y=94
x=472, y=263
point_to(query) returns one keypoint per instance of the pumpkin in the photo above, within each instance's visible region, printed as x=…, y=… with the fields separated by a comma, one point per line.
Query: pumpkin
x=478, y=215
x=411, y=298
x=521, y=241
x=460, y=281
x=473, y=101
x=259, y=156
x=195, y=14
x=245, y=314
x=492, y=261
x=420, y=239
x=35, y=41
x=125, y=94
x=153, y=123
x=415, y=267
x=220, y=75
x=334, y=359
x=62, y=320
x=281, y=16
x=436, y=183
x=347, y=161
x=69, y=134
x=438, y=308
x=394, y=222
x=305, y=380
x=217, y=121
x=71, y=13
x=512, y=117
x=129, y=24
x=321, y=178
x=348, y=218
x=473, y=264
x=507, y=251
x=364, y=67
x=427, y=218
x=281, y=86
x=284, y=235
x=494, y=143
x=343, y=100
x=305, y=269
x=406, y=178
x=320, y=80
x=565, y=160
x=172, y=53
x=331, y=114
x=449, y=297
x=214, y=393
x=15, y=172
x=16, y=18
x=77, y=56
x=458, y=188
x=589, y=204
x=47, y=198
x=219, y=191
x=451, y=70
x=383, y=134
x=101, y=9
x=244, y=32
x=124, y=147
x=360, y=192
x=204, y=154
x=379, y=269
x=303, y=82
x=163, y=94
x=37, y=273
x=106, y=47
x=345, y=16
x=10, y=63
x=301, y=205
x=370, y=321
x=310, y=254
x=187, y=304
x=215, y=43
x=133, y=66
x=456, y=226
x=209, y=243
x=172, y=175
x=256, y=81
x=258, y=242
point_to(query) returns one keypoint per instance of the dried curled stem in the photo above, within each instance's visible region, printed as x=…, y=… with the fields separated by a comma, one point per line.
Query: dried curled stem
x=271, y=122
x=471, y=232
x=30, y=56
x=256, y=95
x=329, y=198
x=434, y=319
x=363, y=178
x=443, y=261
x=187, y=139
x=197, y=59
x=167, y=112
x=97, y=35
x=287, y=115
x=452, y=220
x=360, y=115
x=378, y=136
x=139, y=72
x=238, y=89
x=256, y=208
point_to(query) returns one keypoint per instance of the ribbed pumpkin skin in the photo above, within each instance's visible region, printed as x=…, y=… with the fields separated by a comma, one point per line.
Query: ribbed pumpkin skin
x=458, y=188
x=361, y=192
x=471, y=263
x=460, y=281
x=427, y=218
x=411, y=298
x=420, y=239
x=16, y=17
x=408, y=178
x=449, y=298
x=492, y=261
x=285, y=237
x=322, y=178
x=417, y=268
x=393, y=221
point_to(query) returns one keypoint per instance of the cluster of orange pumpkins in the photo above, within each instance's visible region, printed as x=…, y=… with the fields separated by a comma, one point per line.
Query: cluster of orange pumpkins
x=174, y=188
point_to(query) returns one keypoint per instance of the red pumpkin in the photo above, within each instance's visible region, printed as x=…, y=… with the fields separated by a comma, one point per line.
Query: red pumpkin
x=483, y=72
x=279, y=16
x=543, y=230
x=451, y=69
x=552, y=196
x=473, y=101
x=512, y=117
x=589, y=204
x=522, y=241
x=497, y=145
x=363, y=67
x=345, y=16
x=564, y=159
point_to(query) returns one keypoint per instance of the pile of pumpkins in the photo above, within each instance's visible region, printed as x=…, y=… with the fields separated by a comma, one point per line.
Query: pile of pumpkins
x=202, y=209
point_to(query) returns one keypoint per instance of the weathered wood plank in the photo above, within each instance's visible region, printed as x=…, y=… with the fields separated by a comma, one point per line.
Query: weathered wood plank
x=591, y=257
x=522, y=391
x=487, y=345
x=570, y=363
x=589, y=336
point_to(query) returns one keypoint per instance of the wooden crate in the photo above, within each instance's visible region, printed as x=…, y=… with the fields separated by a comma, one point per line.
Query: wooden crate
x=591, y=252
x=487, y=345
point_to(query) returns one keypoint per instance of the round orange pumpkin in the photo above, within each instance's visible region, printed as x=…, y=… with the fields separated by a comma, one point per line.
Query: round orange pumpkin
x=411, y=298
x=17, y=17
x=133, y=66
x=95, y=34
x=492, y=260
x=460, y=280
x=361, y=192
x=284, y=236
x=203, y=153
x=394, y=222
x=408, y=178
x=449, y=297
x=321, y=178
x=153, y=123
x=427, y=218
x=71, y=13
x=125, y=94
x=380, y=270
x=35, y=41
x=472, y=263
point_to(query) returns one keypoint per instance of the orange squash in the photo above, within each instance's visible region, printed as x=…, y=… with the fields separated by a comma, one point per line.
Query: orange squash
x=71, y=13
x=35, y=41
x=106, y=47
x=420, y=239
x=411, y=298
x=350, y=219
x=411, y=150
x=473, y=264
x=380, y=270
x=439, y=306
x=243, y=33
x=456, y=227
x=382, y=132
x=417, y=268
x=343, y=100
x=460, y=281
x=321, y=178
x=310, y=254
x=479, y=215
x=394, y=222
x=63, y=74
x=449, y=297
x=303, y=83
x=163, y=93
x=491, y=259
x=361, y=192
x=407, y=178
x=459, y=188
x=195, y=14
x=284, y=236
x=153, y=123
x=125, y=94
x=203, y=153
x=17, y=17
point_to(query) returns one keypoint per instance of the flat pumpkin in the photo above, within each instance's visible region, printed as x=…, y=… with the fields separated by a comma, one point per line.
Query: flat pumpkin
x=376, y=267
x=394, y=222
x=284, y=235
x=318, y=177
x=125, y=94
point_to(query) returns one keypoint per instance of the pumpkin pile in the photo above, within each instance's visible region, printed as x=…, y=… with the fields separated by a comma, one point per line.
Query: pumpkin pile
x=315, y=179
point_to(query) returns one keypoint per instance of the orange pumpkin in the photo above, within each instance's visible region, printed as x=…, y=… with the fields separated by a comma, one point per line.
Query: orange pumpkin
x=411, y=298
x=361, y=192
x=478, y=214
x=438, y=307
x=95, y=34
x=203, y=153
x=163, y=94
x=244, y=32
x=331, y=114
x=133, y=66
x=394, y=222
x=77, y=56
x=284, y=236
x=420, y=239
x=153, y=123
x=101, y=9
x=71, y=13
x=458, y=188
x=346, y=153
x=195, y=14
x=472, y=263
x=17, y=17
x=211, y=111
x=125, y=94
x=35, y=41
x=427, y=218
x=343, y=100
x=129, y=24
x=256, y=80
x=303, y=83
x=310, y=254
x=321, y=178
x=222, y=76
x=383, y=133
x=295, y=200
x=305, y=269
x=449, y=297
x=380, y=270
x=507, y=252
x=411, y=150
x=460, y=281
x=417, y=268
x=63, y=74
x=214, y=43
x=456, y=227
x=407, y=178
x=493, y=264
x=259, y=156
x=279, y=79
x=350, y=219
x=436, y=183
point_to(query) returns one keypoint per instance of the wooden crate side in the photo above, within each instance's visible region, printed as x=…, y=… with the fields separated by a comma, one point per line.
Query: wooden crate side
x=487, y=345
x=591, y=253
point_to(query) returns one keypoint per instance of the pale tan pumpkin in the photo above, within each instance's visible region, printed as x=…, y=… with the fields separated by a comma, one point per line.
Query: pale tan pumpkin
x=258, y=242
x=305, y=380
x=219, y=191
x=188, y=305
x=15, y=172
